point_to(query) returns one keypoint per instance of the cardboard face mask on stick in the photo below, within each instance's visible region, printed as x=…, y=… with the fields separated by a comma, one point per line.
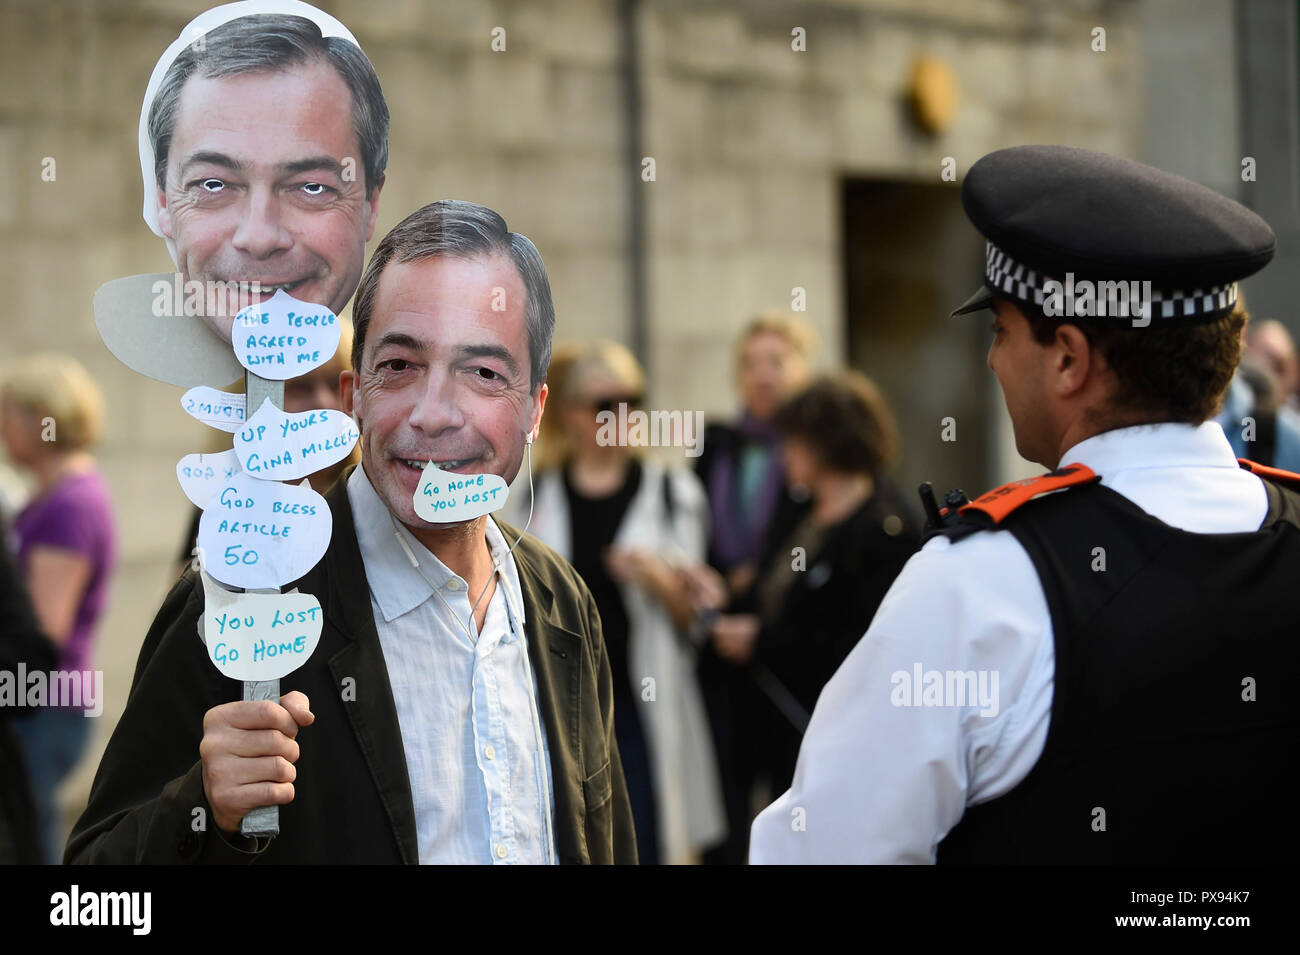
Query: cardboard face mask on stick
x=194, y=34
x=255, y=534
x=188, y=342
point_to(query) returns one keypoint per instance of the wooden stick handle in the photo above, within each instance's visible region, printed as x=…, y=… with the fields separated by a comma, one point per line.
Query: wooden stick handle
x=264, y=820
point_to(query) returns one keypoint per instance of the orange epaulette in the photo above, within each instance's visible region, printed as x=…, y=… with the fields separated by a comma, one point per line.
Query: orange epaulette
x=1289, y=478
x=994, y=506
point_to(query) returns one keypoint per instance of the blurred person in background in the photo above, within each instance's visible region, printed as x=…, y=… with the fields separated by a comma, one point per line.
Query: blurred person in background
x=21, y=644
x=317, y=389
x=817, y=589
x=741, y=463
x=1256, y=415
x=750, y=500
x=1270, y=346
x=628, y=525
x=50, y=415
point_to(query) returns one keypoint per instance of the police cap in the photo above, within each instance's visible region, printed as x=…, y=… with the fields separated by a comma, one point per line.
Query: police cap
x=1074, y=234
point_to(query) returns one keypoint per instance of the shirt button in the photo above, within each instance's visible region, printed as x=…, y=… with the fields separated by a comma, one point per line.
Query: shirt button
x=453, y=584
x=501, y=852
x=490, y=751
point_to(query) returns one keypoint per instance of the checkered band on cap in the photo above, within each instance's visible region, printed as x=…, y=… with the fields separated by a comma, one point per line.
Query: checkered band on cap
x=1016, y=280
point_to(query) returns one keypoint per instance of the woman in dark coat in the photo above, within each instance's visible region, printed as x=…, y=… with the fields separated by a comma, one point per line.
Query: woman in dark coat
x=817, y=589
x=750, y=501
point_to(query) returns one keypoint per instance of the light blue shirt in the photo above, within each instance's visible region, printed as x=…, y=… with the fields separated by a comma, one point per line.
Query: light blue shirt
x=1238, y=405
x=475, y=744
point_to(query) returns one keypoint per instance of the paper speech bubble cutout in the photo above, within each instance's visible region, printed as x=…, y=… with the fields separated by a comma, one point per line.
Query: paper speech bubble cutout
x=262, y=534
x=138, y=322
x=223, y=410
x=254, y=637
x=282, y=338
x=202, y=475
x=276, y=446
x=445, y=497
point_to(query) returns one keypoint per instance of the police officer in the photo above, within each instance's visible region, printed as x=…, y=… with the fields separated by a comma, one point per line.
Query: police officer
x=1098, y=665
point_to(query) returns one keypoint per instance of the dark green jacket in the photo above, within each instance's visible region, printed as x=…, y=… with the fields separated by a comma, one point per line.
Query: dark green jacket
x=352, y=796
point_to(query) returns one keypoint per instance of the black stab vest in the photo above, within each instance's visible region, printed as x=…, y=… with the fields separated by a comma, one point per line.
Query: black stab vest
x=1150, y=733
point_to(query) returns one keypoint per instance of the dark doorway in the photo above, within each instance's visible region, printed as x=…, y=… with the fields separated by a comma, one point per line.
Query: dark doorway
x=910, y=258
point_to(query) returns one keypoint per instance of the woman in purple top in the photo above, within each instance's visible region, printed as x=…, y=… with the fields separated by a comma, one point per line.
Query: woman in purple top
x=50, y=413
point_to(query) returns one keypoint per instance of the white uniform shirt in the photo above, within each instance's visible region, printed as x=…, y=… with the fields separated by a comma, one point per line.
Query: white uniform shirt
x=878, y=782
x=474, y=740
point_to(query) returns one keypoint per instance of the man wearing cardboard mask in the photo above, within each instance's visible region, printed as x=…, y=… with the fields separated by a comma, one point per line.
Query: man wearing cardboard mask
x=459, y=705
